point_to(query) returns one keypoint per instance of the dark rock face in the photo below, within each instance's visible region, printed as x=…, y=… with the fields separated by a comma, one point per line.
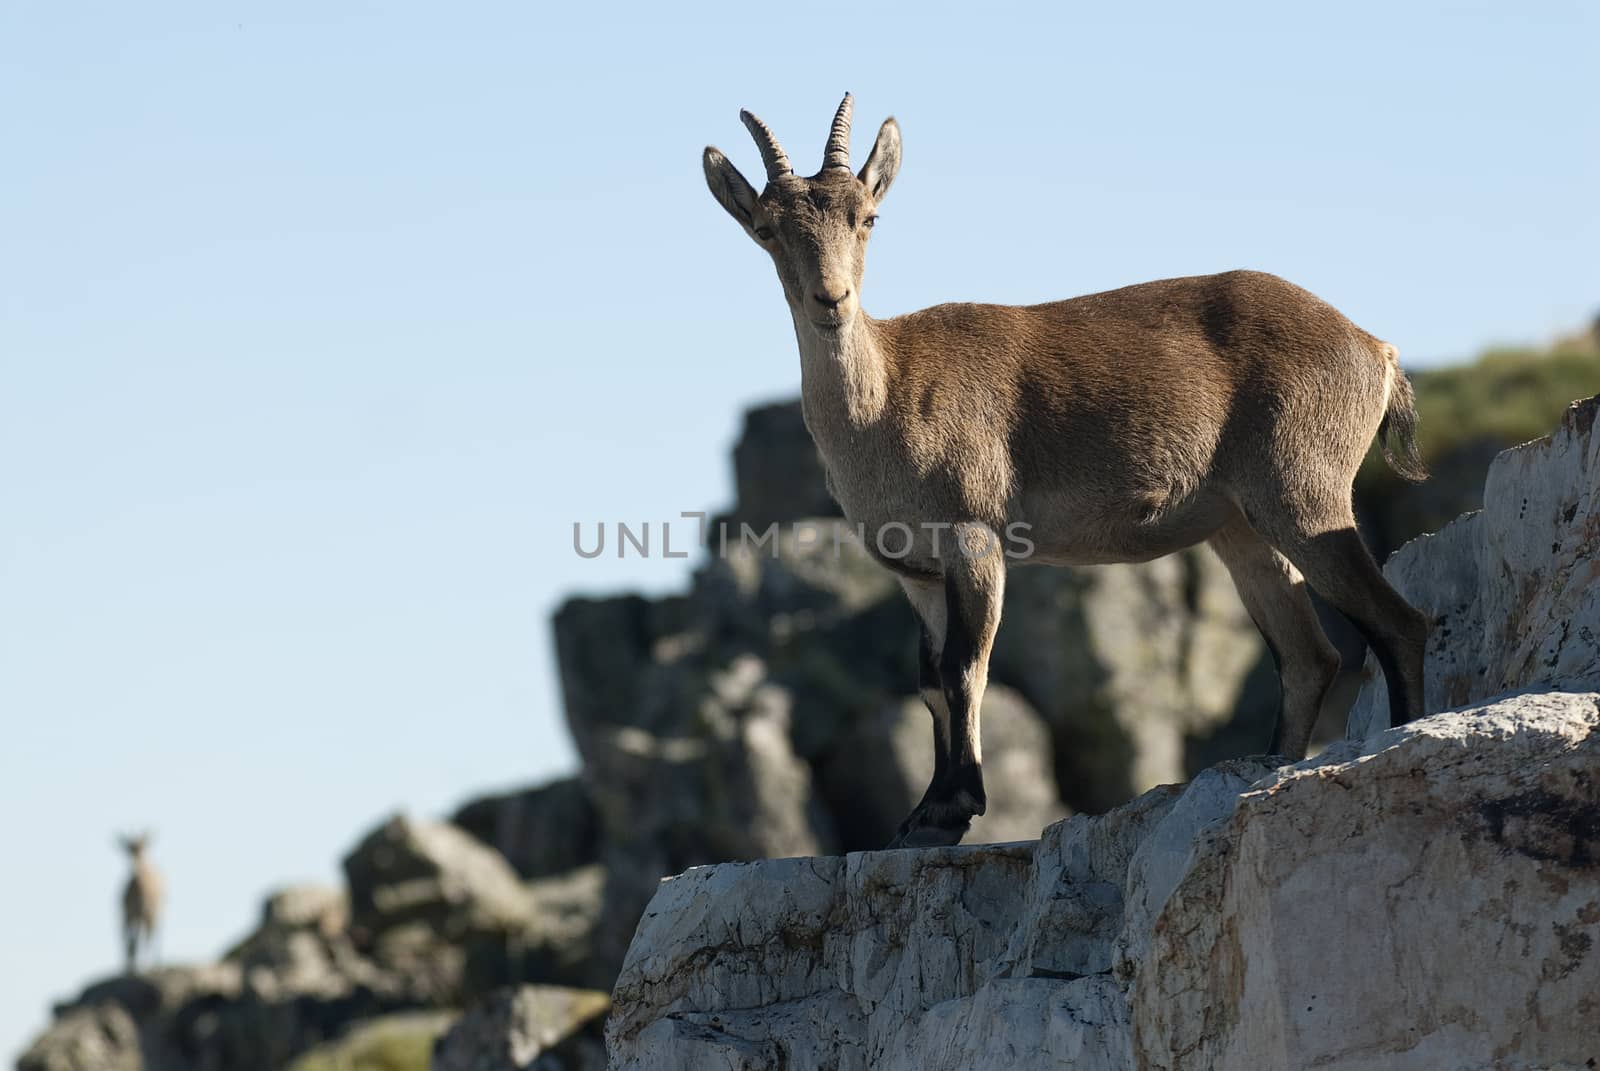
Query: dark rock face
x=433, y=905
x=102, y=1037
x=530, y=1028
x=216, y=1018
x=777, y=475
x=541, y=831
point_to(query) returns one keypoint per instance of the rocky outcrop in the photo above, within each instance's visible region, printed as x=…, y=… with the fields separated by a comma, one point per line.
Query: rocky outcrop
x=545, y=830
x=1421, y=897
x=1429, y=900
x=528, y=1028
x=432, y=904
x=1513, y=589
x=771, y=709
x=431, y=919
x=768, y=710
x=217, y=1016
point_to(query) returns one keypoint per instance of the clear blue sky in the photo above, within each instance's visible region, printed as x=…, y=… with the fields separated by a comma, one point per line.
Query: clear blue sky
x=319, y=328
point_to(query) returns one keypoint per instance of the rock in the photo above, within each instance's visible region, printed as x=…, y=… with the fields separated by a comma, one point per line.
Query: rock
x=1392, y=512
x=1429, y=900
x=777, y=472
x=444, y=920
x=541, y=831
x=1127, y=663
x=529, y=1028
x=842, y=953
x=606, y=650
x=100, y=1037
x=1413, y=898
x=154, y=1021
x=1514, y=590
x=409, y=871
x=399, y=1042
x=303, y=946
x=1434, y=902
x=830, y=623
x=436, y=907
x=726, y=785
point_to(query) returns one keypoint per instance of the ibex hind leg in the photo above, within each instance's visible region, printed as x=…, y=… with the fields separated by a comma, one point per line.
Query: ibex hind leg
x=1321, y=539
x=1274, y=593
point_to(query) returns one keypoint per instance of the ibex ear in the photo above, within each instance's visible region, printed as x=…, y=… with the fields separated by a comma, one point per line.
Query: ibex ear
x=730, y=188
x=884, y=163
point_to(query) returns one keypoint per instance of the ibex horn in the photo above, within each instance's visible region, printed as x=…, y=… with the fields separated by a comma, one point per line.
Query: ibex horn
x=837, y=154
x=772, y=153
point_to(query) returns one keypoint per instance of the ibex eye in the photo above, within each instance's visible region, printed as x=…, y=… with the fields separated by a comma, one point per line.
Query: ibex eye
x=764, y=233
x=871, y=220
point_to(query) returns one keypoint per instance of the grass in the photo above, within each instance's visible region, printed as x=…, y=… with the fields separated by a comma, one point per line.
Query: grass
x=393, y=1043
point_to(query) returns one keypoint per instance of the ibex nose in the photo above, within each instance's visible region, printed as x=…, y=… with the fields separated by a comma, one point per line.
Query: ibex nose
x=830, y=298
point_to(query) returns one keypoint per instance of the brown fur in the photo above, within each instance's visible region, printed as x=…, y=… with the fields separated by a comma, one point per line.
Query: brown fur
x=1118, y=426
x=141, y=901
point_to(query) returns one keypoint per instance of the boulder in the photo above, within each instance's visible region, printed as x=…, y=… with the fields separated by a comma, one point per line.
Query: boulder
x=302, y=946
x=408, y=871
x=830, y=623
x=434, y=906
x=99, y=1037
x=1514, y=589
x=777, y=473
x=541, y=831
x=727, y=785
x=528, y=1028
x=1430, y=899
x=1128, y=664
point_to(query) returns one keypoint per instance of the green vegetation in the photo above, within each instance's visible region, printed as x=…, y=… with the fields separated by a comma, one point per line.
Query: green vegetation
x=1507, y=396
x=394, y=1043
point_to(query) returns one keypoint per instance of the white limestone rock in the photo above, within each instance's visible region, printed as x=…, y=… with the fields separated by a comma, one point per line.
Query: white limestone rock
x=1429, y=900
x=1433, y=902
x=1514, y=589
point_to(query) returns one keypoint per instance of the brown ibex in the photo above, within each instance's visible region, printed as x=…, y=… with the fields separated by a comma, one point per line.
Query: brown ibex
x=141, y=900
x=1232, y=409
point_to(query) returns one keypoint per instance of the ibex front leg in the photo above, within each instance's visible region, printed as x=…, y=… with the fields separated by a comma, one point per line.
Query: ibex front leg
x=959, y=619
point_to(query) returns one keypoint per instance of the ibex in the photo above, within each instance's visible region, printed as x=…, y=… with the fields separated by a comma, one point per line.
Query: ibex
x=141, y=900
x=1232, y=409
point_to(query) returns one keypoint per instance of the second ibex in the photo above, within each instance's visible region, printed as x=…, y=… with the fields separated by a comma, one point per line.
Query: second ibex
x=1232, y=409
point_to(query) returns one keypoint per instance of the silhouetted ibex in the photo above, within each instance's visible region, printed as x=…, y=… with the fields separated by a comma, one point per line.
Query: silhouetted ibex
x=1118, y=427
x=141, y=900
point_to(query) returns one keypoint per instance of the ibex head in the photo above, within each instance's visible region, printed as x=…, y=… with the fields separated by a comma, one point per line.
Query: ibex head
x=815, y=229
x=135, y=843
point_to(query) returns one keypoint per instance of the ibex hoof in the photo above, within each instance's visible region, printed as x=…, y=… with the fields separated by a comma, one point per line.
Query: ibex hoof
x=938, y=823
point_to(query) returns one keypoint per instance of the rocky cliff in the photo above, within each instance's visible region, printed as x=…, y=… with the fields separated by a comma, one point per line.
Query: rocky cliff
x=1423, y=897
x=767, y=711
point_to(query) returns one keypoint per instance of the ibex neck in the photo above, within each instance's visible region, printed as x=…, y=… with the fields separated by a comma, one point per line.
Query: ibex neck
x=843, y=377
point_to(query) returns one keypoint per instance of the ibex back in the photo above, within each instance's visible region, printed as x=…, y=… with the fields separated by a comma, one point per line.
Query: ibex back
x=1232, y=409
